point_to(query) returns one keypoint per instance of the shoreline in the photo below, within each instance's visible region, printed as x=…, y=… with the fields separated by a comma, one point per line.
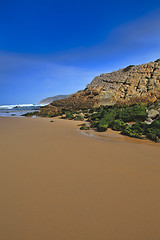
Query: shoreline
x=109, y=135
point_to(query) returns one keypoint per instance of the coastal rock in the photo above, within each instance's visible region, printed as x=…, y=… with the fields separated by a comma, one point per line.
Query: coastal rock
x=129, y=84
x=149, y=120
x=153, y=113
x=133, y=84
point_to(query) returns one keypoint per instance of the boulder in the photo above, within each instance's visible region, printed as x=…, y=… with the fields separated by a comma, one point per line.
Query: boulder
x=153, y=113
x=149, y=120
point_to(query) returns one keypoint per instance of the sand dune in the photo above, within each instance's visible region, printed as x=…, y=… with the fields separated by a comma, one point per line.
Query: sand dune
x=58, y=184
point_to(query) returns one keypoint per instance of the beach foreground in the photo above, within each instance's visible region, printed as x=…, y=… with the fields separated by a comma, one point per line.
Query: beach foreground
x=58, y=184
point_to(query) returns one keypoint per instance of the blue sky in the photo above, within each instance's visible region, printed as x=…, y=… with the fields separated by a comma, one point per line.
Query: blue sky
x=57, y=47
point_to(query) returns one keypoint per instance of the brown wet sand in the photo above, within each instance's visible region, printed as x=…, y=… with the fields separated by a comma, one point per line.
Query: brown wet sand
x=58, y=184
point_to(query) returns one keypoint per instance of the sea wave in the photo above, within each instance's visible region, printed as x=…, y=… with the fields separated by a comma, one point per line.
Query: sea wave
x=18, y=109
x=20, y=106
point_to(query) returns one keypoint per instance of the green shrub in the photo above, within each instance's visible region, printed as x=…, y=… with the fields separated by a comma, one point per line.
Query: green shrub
x=155, y=124
x=109, y=116
x=118, y=125
x=133, y=113
x=128, y=131
x=152, y=136
x=84, y=127
x=102, y=125
x=69, y=115
x=139, y=127
x=94, y=124
x=95, y=116
x=153, y=131
x=79, y=118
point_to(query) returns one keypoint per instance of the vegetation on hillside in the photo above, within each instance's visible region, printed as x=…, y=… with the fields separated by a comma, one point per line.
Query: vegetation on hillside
x=129, y=120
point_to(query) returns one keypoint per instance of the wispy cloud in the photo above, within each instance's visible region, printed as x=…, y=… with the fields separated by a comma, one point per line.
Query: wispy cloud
x=130, y=40
x=33, y=77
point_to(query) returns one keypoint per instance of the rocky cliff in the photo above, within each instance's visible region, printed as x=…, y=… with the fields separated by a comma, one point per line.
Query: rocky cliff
x=141, y=82
x=133, y=84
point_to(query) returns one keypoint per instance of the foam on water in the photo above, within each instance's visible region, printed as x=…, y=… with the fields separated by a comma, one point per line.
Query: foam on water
x=10, y=107
x=18, y=109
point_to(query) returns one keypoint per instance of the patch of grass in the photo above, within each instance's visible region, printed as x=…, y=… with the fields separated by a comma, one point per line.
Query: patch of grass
x=84, y=127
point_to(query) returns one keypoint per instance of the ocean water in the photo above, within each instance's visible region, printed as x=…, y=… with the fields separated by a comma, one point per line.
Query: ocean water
x=18, y=110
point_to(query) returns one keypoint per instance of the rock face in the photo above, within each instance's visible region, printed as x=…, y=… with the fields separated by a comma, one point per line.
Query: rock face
x=133, y=84
x=51, y=99
x=82, y=99
x=153, y=113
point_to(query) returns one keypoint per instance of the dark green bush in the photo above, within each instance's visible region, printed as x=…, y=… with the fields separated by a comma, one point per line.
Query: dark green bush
x=69, y=115
x=84, y=127
x=143, y=130
x=79, y=118
x=128, y=131
x=102, y=125
x=153, y=131
x=152, y=136
x=155, y=124
x=95, y=116
x=139, y=127
x=133, y=113
x=94, y=124
x=109, y=116
x=118, y=125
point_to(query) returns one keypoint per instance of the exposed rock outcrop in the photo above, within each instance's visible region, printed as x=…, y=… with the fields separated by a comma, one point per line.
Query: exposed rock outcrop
x=152, y=113
x=133, y=84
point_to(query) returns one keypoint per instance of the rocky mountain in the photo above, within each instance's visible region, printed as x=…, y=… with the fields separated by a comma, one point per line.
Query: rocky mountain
x=133, y=84
x=51, y=99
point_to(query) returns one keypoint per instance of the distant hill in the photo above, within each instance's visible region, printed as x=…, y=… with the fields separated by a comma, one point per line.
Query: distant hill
x=51, y=99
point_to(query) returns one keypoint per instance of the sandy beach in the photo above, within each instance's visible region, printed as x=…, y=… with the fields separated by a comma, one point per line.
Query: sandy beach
x=59, y=184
